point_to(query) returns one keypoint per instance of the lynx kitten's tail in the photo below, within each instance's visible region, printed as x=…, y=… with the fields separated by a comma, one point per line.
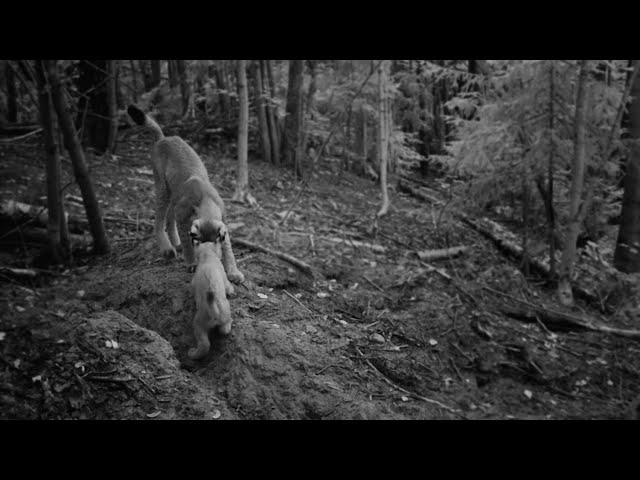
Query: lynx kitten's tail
x=143, y=119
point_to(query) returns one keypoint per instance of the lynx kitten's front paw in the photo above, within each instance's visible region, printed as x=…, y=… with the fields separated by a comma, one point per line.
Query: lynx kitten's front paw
x=236, y=276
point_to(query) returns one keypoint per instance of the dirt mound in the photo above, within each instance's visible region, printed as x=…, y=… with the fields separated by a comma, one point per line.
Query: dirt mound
x=92, y=365
x=276, y=362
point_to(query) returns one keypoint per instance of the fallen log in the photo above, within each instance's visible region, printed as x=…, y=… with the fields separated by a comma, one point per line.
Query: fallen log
x=281, y=255
x=560, y=321
x=18, y=272
x=532, y=313
x=403, y=186
x=38, y=235
x=440, y=253
x=24, y=213
x=355, y=243
x=508, y=242
x=505, y=240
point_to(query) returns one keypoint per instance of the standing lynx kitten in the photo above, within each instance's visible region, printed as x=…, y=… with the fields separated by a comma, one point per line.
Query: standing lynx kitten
x=186, y=202
x=210, y=288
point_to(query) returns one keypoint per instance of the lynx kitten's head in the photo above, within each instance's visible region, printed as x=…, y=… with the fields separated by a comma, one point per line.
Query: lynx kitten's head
x=208, y=231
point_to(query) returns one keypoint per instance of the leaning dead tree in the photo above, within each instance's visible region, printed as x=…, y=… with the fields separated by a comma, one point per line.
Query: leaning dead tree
x=58, y=248
x=80, y=170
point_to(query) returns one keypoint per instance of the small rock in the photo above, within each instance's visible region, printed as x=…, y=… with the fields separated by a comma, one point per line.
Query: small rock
x=216, y=414
x=80, y=293
x=19, y=308
x=322, y=295
x=528, y=394
x=433, y=342
x=376, y=337
x=262, y=295
x=2, y=335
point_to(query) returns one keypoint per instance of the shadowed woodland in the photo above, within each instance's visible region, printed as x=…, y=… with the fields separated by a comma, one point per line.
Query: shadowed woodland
x=419, y=239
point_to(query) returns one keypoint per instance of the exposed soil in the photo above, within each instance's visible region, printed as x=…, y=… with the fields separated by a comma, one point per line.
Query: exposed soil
x=371, y=336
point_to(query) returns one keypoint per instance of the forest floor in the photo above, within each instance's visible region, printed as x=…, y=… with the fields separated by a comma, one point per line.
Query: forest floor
x=373, y=335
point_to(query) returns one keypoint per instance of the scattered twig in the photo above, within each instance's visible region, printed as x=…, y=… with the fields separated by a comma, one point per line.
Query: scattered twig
x=462, y=352
x=430, y=255
x=455, y=367
x=120, y=380
x=373, y=284
x=145, y=384
x=283, y=256
x=298, y=302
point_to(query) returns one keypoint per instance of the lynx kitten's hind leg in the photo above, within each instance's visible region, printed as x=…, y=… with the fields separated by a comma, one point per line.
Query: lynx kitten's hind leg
x=202, y=340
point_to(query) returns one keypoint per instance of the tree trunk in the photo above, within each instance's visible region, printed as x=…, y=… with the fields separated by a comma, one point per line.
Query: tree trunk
x=134, y=80
x=551, y=217
x=185, y=91
x=363, y=137
x=59, y=249
x=274, y=94
x=94, y=119
x=293, y=120
x=225, y=105
x=155, y=73
x=262, y=113
x=12, y=97
x=383, y=135
x=438, y=122
x=173, y=73
x=312, y=88
x=627, y=253
x=565, y=268
x=145, y=69
x=272, y=123
x=242, y=186
x=92, y=208
x=118, y=85
x=309, y=106
x=228, y=81
x=112, y=90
